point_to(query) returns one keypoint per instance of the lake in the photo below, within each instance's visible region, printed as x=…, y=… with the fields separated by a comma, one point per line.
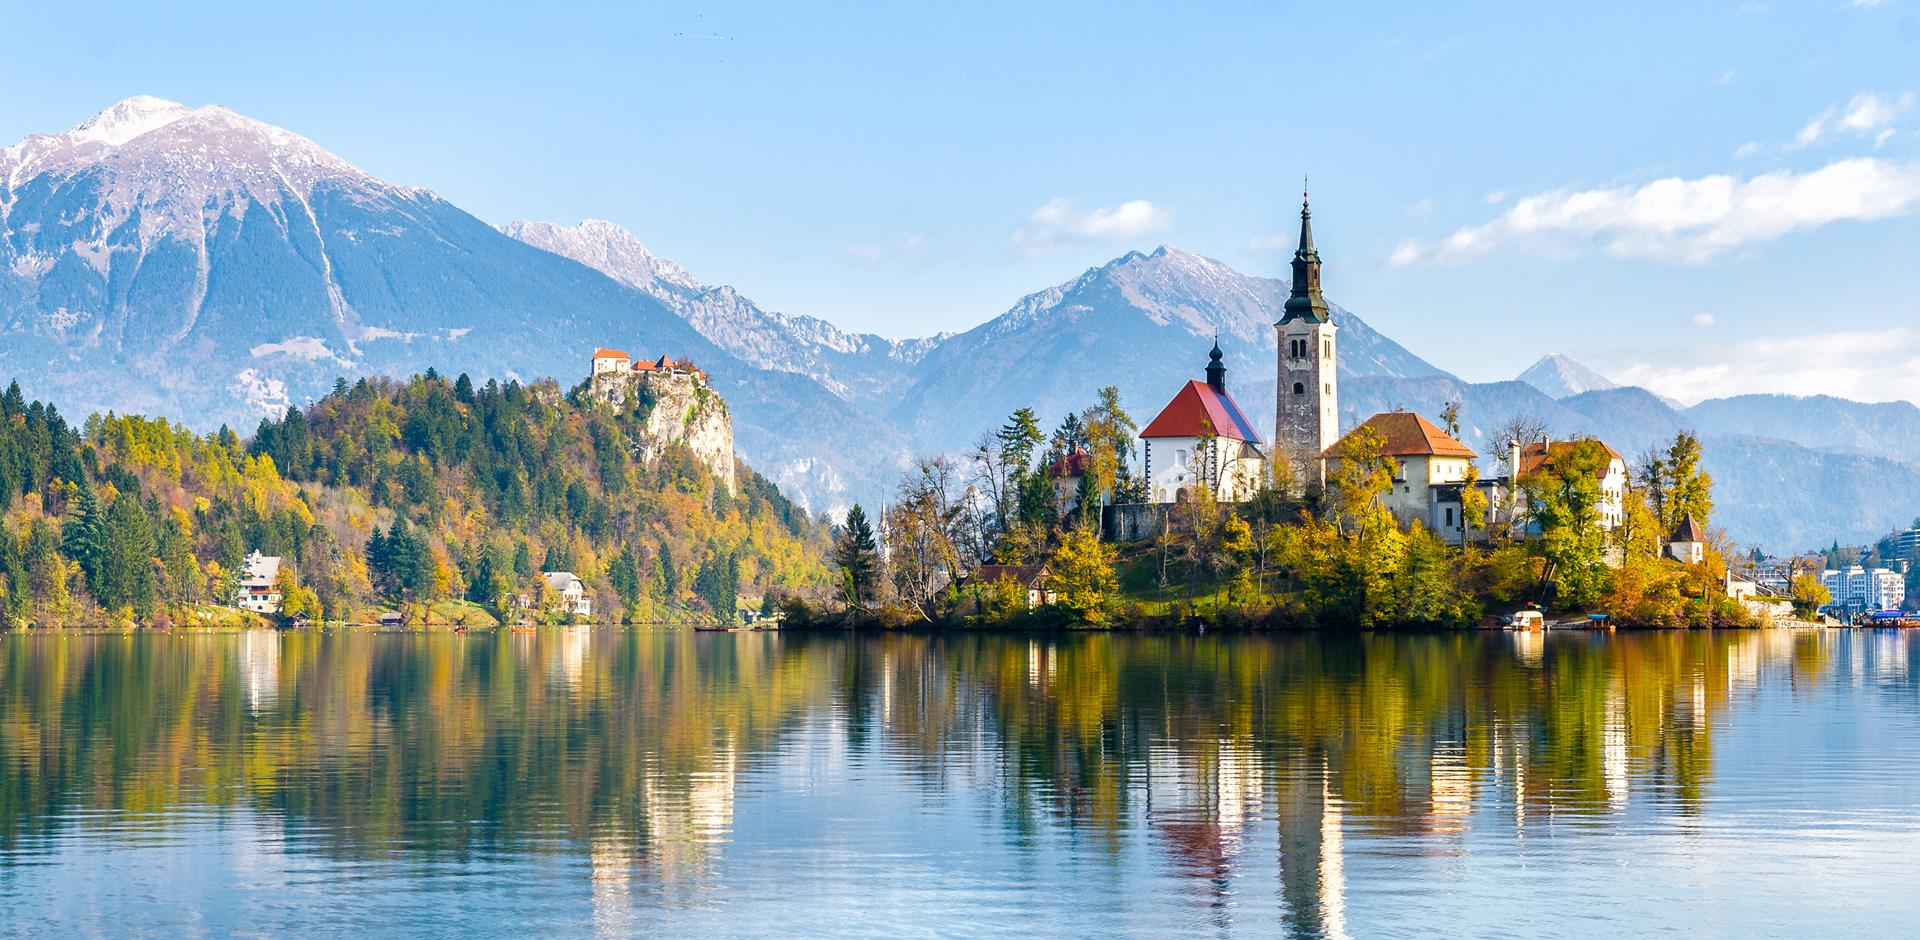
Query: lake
x=598, y=781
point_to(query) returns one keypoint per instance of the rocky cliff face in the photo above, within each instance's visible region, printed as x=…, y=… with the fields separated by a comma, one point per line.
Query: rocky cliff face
x=677, y=408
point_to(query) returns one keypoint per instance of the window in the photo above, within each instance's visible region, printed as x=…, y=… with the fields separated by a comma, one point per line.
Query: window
x=1299, y=388
x=1326, y=349
x=1449, y=517
x=1179, y=458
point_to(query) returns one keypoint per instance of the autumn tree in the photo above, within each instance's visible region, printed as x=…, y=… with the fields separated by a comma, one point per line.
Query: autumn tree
x=925, y=534
x=1083, y=577
x=1563, y=501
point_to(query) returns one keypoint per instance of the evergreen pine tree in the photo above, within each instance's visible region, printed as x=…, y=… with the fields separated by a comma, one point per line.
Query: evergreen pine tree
x=84, y=540
x=126, y=575
x=857, y=556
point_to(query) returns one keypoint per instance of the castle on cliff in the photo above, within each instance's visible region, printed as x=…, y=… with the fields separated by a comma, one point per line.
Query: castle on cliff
x=675, y=405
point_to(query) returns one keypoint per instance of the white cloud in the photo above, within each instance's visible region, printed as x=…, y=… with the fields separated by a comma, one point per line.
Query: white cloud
x=1688, y=221
x=1058, y=224
x=1866, y=114
x=1726, y=77
x=1862, y=365
x=871, y=252
x=1496, y=197
x=1703, y=320
x=1746, y=150
x=1420, y=210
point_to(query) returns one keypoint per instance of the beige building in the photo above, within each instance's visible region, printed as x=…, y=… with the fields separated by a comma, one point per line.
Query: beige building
x=1429, y=471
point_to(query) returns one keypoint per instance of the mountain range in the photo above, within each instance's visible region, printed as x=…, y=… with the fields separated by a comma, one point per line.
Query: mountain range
x=196, y=263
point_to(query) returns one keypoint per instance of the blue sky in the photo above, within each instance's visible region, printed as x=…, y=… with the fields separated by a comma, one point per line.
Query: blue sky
x=1705, y=198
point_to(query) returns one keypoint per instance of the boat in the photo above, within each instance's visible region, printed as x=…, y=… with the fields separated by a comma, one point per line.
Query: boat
x=1526, y=621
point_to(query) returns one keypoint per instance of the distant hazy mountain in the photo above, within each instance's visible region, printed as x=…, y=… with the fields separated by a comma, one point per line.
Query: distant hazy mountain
x=852, y=365
x=200, y=264
x=1559, y=377
x=1144, y=322
x=1785, y=497
x=1822, y=422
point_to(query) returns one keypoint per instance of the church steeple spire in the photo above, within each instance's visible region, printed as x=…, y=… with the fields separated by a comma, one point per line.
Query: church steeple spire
x=1306, y=302
x=1216, y=369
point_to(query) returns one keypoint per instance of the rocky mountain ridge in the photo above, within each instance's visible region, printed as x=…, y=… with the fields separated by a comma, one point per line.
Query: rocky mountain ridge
x=195, y=263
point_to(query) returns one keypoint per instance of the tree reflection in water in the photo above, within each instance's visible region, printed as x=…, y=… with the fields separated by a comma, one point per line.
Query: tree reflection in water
x=632, y=750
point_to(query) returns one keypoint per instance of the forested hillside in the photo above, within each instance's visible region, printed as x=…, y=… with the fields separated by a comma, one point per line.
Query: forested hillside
x=382, y=494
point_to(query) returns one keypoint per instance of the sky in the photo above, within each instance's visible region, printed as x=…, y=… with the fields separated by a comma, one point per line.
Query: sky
x=1703, y=198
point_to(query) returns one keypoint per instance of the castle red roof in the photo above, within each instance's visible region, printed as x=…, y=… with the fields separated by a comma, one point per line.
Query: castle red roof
x=605, y=353
x=1197, y=411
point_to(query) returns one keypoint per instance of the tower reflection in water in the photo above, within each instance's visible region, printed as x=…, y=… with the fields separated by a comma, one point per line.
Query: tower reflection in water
x=633, y=754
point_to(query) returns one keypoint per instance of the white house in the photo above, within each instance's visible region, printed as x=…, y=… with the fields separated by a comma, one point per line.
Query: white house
x=1201, y=436
x=1066, y=473
x=610, y=360
x=1688, y=542
x=1613, y=476
x=572, y=591
x=1429, y=471
x=257, y=591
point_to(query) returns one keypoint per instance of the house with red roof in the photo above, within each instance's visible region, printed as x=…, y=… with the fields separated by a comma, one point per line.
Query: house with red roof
x=1202, y=436
x=1613, y=475
x=1429, y=471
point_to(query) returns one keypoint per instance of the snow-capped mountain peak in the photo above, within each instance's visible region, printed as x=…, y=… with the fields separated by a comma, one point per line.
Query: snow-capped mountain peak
x=606, y=247
x=128, y=119
x=160, y=148
x=1561, y=377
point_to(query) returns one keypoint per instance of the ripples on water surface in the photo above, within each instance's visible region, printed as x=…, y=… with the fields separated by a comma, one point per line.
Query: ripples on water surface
x=595, y=781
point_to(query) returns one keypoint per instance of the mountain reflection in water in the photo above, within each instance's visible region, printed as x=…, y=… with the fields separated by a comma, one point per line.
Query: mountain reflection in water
x=600, y=781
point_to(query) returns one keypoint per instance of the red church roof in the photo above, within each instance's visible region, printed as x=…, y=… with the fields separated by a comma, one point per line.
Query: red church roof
x=1198, y=410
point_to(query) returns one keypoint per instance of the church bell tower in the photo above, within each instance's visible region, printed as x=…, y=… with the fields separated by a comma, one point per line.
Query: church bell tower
x=1308, y=419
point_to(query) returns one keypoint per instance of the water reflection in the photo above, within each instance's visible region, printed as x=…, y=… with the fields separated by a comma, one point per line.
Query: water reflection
x=1216, y=777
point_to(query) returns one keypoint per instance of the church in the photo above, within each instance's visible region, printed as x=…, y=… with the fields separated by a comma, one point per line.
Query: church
x=1202, y=435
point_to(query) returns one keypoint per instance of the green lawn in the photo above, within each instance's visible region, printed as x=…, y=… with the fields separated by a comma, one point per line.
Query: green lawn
x=1139, y=573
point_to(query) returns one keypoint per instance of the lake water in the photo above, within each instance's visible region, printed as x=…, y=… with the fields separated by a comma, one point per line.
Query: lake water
x=607, y=782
